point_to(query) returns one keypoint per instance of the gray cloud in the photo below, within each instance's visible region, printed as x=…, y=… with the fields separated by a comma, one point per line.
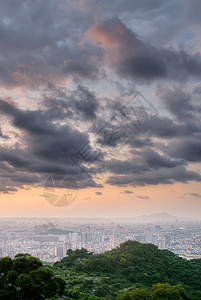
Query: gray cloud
x=128, y=192
x=49, y=143
x=196, y=195
x=179, y=103
x=161, y=176
x=165, y=127
x=142, y=197
x=142, y=161
x=99, y=193
x=2, y=135
x=8, y=190
x=86, y=102
x=132, y=57
x=47, y=49
x=187, y=149
x=47, y=148
x=142, y=44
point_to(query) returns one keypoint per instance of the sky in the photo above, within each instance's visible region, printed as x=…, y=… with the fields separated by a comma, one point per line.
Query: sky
x=100, y=109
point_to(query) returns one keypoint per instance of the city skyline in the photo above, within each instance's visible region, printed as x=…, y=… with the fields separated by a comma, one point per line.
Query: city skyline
x=49, y=240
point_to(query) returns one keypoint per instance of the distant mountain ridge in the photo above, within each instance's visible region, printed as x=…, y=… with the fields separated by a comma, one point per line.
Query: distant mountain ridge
x=146, y=218
x=157, y=217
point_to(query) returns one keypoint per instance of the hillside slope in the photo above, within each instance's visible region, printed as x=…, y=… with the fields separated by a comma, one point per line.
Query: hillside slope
x=132, y=264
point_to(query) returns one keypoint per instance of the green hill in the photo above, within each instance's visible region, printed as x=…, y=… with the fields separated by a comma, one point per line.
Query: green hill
x=131, y=265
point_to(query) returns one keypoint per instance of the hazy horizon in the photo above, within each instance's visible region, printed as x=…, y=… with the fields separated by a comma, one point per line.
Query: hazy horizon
x=153, y=216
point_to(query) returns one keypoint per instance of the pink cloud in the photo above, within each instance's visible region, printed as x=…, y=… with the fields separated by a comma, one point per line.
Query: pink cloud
x=132, y=57
x=114, y=37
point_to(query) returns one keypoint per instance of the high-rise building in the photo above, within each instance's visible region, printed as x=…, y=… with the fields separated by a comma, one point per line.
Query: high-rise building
x=161, y=243
x=5, y=248
x=114, y=242
x=59, y=251
x=66, y=246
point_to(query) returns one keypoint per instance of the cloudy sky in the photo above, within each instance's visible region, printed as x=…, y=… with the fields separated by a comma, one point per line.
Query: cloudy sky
x=100, y=107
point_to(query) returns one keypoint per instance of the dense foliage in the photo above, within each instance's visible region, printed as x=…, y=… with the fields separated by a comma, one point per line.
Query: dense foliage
x=130, y=272
x=132, y=265
x=26, y=278
x=159, y=292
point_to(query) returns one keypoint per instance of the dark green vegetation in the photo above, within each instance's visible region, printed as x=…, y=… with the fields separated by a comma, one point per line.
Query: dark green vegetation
x=129, y=272
x=26, y=278
x=160, y=291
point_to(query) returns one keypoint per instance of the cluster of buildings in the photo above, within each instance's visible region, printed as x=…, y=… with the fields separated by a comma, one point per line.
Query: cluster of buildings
x=50, y=240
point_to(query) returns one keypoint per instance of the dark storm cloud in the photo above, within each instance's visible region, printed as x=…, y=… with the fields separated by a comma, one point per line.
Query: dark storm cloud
x=188, y=149
x=132, y=57
x=127, y=192
x=50, y=143
x=141, y=142
x=142, y=197
x=7, y=190
x=2, y=135
x=165, y=127
x=165, y=20
x=32, y=121
x=24, y=160
x=80, y=104
x=179, y=103
x=122, y=6
x=80, y=69
x=15, y=157
x=155, y=160
x=14, y=178
x=193, y=12
x=196, y=195
x=141, y=162
x=43, y=43
x=30, y=170
x=57, y=107
x=38, y=43
x=86, y=102
x=47, y=148
x=126, y=167
x=183, y=131
x=149, y=167
x=99, y=193
x=160, y=176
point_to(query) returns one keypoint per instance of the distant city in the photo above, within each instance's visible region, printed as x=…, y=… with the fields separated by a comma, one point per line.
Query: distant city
x=49, y=239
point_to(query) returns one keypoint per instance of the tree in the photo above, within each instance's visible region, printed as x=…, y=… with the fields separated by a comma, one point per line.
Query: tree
x=6, y=264
x=24, y=263
x=137, y=294
x=26, y=278
x=166, y=292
